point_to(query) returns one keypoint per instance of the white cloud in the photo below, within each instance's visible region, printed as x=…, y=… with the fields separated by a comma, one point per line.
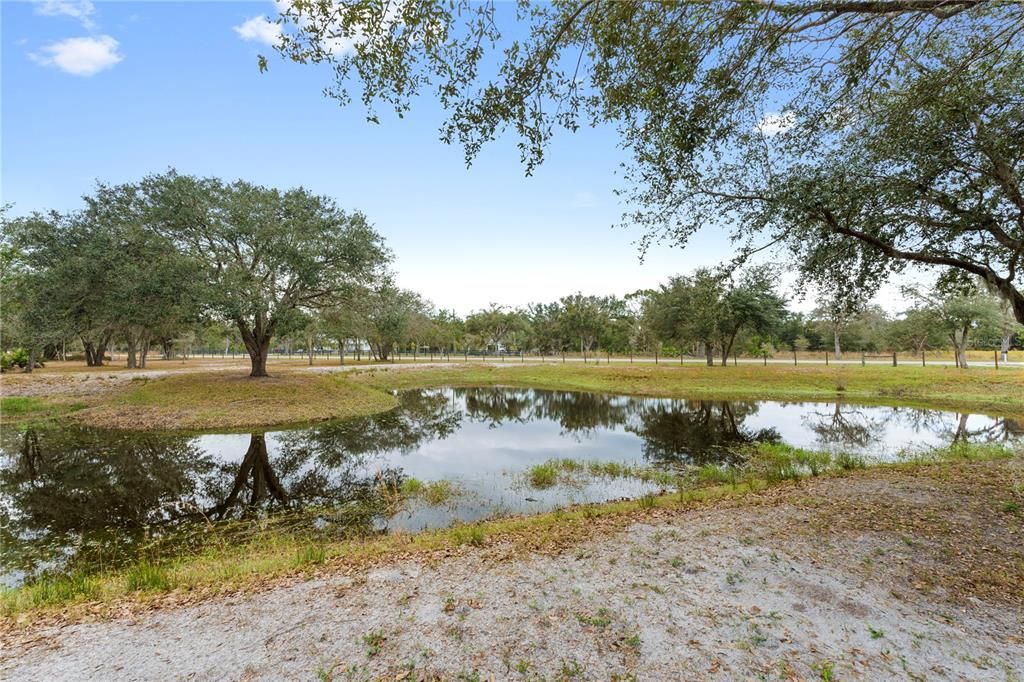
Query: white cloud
x=773, y=124
x=80, y=56
x=76, y=9
x=259, y=29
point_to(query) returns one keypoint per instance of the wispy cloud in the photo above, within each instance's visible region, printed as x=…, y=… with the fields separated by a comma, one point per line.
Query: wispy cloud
x=80, y=56
x=259, y=29
x=82, y=10
x=773, y=124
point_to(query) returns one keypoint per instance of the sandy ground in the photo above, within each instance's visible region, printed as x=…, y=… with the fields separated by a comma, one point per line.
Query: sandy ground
x=848, y=578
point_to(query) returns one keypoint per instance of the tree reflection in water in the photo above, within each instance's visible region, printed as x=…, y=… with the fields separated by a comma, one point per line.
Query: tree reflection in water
x=698, y=431
x=74, y=494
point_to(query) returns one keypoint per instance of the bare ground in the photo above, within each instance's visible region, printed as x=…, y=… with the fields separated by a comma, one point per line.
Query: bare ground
x=886, y=574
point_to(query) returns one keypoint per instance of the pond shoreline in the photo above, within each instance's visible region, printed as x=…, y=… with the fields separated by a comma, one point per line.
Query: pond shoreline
x=861, y=581
x=195, y=400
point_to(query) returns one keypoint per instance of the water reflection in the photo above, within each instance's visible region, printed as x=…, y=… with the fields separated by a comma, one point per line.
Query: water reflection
x=76, y=494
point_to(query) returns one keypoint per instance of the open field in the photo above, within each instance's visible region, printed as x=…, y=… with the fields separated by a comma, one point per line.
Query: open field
x=898, y=571
x=200, y=396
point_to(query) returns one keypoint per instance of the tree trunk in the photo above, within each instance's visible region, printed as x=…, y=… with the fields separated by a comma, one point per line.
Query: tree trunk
x=94, y=352
x=839, y=350
x=709, y=354
x=257, y=343
x=727, y=348
x=309, y=349
x=31, y=360
x=132, y=341
x=1004, y=346
x=341, y=351
x=168, y=349
x=961, y=347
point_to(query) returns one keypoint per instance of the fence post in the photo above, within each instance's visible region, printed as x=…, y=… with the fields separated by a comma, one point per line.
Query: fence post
x=894, y=358
x=735, y=358
x=794, y=357
x=826, y=358
x=655, y=356
x=863, y=361
x=765, y=360
x=609, y=359
x=922, y=359
x=631, y=356
x=522, y=357
x=995, y=354
x=563, y=357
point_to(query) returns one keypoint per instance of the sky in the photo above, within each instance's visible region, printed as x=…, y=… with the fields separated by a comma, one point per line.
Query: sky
x=112, y=91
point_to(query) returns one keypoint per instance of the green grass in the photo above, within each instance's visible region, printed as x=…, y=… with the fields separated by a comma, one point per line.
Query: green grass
x=991, y=391
x=193, y=402
x=221, y=400
x=20, y=409
x=543, y=476
x=145, y=576
x=574, y=472
x=433, y=493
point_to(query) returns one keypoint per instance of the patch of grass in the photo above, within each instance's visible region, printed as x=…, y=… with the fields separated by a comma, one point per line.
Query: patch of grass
x=373, y=640
x=440, y=492
x=17, y=405
x=875, y=633
x=543, y=476
x=469, y=535
x=310, y=555
x=601, y=620
x=197, y=401
x=411, y=487
x=145, y=576
x=716, y=473
x=26, y=409
x=51, y=591
x=648, y=501
x=848, y=462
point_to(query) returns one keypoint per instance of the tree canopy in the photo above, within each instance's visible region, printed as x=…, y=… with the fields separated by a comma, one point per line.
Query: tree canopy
x=860, y=136
x=266, y=252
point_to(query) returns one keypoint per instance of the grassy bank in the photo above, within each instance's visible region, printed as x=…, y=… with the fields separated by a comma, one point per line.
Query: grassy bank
x=982, y=390
x=269, y=555
x=222, y=400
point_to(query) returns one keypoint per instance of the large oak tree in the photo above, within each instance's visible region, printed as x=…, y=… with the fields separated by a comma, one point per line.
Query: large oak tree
x=266, y=252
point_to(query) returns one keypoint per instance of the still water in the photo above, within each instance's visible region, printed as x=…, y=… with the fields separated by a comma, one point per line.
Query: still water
x=82, y=495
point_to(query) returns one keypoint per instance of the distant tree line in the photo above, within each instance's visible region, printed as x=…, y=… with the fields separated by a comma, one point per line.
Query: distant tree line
x=179, y=264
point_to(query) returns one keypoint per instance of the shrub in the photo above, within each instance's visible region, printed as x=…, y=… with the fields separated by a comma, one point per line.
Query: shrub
x=16, y=357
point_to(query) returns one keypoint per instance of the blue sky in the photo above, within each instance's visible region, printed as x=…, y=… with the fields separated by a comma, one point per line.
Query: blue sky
x=115, y=90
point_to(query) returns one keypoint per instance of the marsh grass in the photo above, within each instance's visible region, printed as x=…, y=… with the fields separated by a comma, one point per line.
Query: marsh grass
x=577, y=473
x=433, y=493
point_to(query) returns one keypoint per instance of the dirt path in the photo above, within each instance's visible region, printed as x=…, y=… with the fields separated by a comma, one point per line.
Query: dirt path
x=912, y=574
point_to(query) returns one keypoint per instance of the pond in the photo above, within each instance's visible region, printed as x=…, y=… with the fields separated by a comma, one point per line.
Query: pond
x=74, y=496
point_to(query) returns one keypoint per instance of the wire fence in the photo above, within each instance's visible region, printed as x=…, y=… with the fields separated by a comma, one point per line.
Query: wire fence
x=796, y=358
